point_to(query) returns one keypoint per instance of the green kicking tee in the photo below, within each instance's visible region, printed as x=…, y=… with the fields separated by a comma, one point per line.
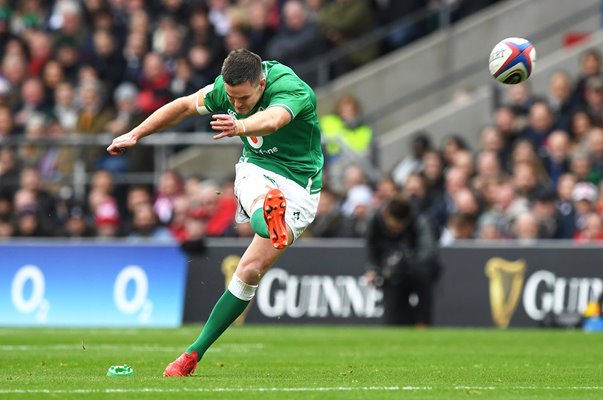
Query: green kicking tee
x=294, y=151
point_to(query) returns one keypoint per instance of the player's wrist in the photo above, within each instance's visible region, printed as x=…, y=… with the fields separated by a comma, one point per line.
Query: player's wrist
x=241, y=128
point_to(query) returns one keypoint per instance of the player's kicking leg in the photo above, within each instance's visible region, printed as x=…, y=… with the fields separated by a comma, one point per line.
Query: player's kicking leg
x=257, y=259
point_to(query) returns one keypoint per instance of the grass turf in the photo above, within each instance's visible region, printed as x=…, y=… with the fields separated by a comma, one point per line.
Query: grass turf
x=308, y=362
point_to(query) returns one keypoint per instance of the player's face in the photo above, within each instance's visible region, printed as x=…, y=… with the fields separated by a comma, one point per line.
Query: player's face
x=245, y=96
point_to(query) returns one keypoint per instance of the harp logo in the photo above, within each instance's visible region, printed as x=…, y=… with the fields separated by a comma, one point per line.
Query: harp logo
x=506, y=284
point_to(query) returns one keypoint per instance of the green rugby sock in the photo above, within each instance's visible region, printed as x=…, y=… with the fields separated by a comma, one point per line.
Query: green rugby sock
x=258, y=223
x=226, y=310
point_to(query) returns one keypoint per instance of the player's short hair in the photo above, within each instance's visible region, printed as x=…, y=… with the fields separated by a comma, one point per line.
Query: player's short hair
x=399, y=208
x=242, y=66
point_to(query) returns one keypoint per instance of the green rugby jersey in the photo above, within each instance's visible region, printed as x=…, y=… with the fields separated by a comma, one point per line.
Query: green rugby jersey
x=294, y=151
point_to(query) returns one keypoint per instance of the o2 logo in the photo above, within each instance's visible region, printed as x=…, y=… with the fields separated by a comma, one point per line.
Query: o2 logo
x=30, y=301
x=138, y=302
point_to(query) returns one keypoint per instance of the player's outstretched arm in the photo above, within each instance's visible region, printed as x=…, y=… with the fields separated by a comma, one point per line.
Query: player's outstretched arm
x=261, y=123
x=163, y=118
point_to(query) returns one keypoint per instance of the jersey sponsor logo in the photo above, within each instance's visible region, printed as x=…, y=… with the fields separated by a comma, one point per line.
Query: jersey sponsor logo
x=255, y=141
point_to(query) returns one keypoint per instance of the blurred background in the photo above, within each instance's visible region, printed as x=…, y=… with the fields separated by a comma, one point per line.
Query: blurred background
x=509, y=176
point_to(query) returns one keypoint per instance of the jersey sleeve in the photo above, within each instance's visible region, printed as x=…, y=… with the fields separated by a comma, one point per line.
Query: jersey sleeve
x=214, y=98
x=290, y=95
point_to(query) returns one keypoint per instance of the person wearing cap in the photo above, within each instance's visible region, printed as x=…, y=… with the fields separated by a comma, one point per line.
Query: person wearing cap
x=584, y=197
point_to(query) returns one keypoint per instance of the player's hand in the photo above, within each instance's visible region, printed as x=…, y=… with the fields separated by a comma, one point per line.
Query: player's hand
x=226, y=124
x=371, y=277
x=121, y=143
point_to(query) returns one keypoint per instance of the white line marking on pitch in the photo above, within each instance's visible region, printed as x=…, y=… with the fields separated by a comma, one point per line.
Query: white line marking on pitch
x=286, y=389
x=230, y=347
x=219, y=390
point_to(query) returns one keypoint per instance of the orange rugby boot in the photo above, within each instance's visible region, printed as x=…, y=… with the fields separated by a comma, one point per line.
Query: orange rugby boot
x=183, y=366
x=274, y=214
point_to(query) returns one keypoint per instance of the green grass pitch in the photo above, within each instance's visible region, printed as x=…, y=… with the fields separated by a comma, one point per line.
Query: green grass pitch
x=305, y=362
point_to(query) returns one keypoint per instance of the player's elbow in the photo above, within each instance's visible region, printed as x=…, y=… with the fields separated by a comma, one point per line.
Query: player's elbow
x=276, y=122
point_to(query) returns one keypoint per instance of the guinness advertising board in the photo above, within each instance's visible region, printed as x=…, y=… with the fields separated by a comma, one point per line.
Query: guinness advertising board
x=320, y=281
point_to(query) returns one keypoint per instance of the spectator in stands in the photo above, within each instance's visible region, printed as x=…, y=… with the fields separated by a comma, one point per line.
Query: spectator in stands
x=342, y=21
x=526, y=181
x=581, y=124
x=463, y=159
x=540, y=125
x=556, y=157
x=346, y=137
x=107, y=59
x=180, y=215
x=581, y=168
x=565, y=206
x=258, y=29
x=433, y=174
x=488, y=169
x=415, y=191
x=235, y=39
x=145, y=225
x=413, y=162
x=9, y=172
x=65, y=108
x=507, y=206
x=492, y=140
x=32, y=102
x=44, y=201
x=328, y=220
x=460, y=227
x=487, y=228
x=444, y=206
x=584, y=196
x=353, y=175
x=297, y=37
x=28, y=224
x=547, y=215
x=219, y=16
x=52, y=76
x=76, y=225
x=106, y=215
x=385, y=190
x=356, y=210
x=507, y=123
x=520, y=98
x=590, y=66
x=7, y=126
x=216, y=209
x=67, y=54
x=203, y=33
x=40, y=51
x=154, y=84
x=169, y=188
x=167, y=42
x=177, y=10
x=451, y=145
x=594, y=147
x=134, y=51
x=94, y=114
x=402, y=260
x=7, y=228
x=592, y=230
x=184, y=80
x=560, y=99
x=525, y=228
x=594, y=99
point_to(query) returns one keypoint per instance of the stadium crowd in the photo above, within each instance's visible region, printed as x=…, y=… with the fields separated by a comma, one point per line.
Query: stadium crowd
x=71, y=67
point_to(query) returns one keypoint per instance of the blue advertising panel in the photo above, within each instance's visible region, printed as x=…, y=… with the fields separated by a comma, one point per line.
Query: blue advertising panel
x=82, y=284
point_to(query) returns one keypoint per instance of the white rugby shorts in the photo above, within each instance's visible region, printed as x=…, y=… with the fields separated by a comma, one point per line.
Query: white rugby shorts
x=252, y=182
